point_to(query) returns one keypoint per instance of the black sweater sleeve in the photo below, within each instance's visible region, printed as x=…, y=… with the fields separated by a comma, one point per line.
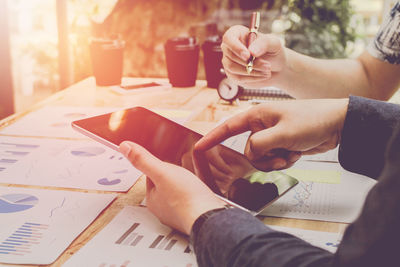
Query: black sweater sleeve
x=367, y=128
x=234, y=237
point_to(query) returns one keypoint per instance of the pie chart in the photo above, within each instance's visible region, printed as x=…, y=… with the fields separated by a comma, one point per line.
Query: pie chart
x=88, y=151
x=17, y=202
x=106, y=181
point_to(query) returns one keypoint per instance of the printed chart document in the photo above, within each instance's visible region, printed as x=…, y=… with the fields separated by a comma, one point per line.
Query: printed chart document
x=55, y=121
x=337, y=200
x=38, y=225
x=326, y=240
x=135, y=237
x=64, y=163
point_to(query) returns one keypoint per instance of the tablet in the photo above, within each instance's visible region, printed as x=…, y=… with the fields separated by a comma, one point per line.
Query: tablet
x=227, y=172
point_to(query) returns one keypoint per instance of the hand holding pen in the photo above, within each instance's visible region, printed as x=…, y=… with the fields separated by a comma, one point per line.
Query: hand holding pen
x=264, y=52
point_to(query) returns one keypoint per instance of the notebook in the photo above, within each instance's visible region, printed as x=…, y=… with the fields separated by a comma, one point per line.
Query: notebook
x=266, y=93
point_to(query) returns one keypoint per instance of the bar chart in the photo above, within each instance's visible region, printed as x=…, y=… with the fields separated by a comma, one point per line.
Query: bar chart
x=23, y=239
x=135, y=237
x=130, y=238
x=162, y=242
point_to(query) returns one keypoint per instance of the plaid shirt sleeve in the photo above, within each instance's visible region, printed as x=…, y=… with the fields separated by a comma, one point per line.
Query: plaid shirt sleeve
x=386, y=45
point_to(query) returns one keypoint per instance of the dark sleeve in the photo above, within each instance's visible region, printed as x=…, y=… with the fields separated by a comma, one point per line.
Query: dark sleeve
x=367, y=128
x=235, y=238
x=373, y=239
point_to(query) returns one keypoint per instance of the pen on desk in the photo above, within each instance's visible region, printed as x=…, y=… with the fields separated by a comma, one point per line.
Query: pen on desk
x=254, y=25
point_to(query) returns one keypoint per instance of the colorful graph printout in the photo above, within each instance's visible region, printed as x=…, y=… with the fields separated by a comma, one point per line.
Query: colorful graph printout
x=53, y=121
x=38, y=225
x=135, y=237
x=83, y=164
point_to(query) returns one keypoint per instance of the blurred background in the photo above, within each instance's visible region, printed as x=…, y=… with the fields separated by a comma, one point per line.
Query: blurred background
x=45, y=43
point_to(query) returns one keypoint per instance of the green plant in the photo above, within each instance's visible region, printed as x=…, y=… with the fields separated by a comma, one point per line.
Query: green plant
x=319, y=28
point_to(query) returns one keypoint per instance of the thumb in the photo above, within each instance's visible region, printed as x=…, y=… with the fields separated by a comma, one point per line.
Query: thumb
x=263, y=142
x=265, y=44
x=142, y=159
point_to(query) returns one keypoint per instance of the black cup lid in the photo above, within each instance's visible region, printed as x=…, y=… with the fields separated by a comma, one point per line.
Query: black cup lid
x=213, y=43
x=182, y=42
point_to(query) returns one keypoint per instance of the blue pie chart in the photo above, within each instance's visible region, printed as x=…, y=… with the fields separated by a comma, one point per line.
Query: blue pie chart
x=88, y=151
x=17, y=202
x=106, y=181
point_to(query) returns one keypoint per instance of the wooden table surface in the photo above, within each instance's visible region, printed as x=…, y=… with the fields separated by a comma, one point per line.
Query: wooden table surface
x=208, y=110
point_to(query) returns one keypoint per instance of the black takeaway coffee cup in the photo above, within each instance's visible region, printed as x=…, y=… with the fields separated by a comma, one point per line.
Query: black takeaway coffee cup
x=213, y=61
x=107, y=61
x=182, y=56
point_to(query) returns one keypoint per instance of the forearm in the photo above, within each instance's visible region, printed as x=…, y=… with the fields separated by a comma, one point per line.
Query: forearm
x=307, y=77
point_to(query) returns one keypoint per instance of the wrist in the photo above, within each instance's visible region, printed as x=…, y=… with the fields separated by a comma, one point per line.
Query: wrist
x=196, y=213
x=344, y=103
x=198, y=223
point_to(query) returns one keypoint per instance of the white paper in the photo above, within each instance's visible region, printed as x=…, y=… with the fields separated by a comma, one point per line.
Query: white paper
x=38, y=225
x=135, y=237
x=64, y=163
x=329, y=156
x=53, y=121
x=237, y=142
x=326, y=240
x=341, y=202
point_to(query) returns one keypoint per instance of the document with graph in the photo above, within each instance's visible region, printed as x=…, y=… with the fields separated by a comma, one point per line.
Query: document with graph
x=53, y=121
x=38, y=225
x=135, y=237
x=64, y=163
x=323, y=195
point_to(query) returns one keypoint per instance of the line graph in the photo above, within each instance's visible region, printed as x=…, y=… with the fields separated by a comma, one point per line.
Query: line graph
x=303, y=194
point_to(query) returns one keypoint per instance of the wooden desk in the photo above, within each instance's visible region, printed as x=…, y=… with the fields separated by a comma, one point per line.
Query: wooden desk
x=208, y=110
